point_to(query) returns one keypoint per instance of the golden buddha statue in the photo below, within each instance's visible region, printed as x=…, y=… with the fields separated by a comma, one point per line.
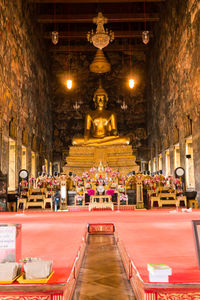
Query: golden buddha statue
x=100, y=125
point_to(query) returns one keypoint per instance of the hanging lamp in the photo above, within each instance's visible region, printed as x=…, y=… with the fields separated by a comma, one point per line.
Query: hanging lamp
x=145, y=33
x=69, y=80
x=54, y=34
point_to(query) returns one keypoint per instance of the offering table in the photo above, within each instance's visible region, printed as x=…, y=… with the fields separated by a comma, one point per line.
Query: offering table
x=104, y=201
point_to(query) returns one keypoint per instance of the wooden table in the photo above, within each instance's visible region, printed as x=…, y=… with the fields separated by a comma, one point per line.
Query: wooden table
x=35, y=201
x=103, y=203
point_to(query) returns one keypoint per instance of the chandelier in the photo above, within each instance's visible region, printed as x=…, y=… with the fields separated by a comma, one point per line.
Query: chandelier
x=124, y=106
x=76, y=106
x=101, y=38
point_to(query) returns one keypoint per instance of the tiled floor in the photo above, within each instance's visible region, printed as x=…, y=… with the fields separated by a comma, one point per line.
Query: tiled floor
x=102, y=274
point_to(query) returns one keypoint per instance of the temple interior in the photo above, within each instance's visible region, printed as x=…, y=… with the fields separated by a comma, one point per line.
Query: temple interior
x=100, y=104
x=40, y=116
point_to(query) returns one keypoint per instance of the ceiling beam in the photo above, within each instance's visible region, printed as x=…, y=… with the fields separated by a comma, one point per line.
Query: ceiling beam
x=92, y=1
x=83, y=34
x=90, y=48
x=112, y=18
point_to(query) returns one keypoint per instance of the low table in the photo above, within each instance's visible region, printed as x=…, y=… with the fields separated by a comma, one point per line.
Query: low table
x=102, y=203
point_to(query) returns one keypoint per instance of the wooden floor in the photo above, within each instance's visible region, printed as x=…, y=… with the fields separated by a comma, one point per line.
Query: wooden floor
x=102, y=274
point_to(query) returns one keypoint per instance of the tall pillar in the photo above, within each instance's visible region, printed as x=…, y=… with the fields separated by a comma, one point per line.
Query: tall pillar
x=171, y=155
x=182, y=148
x=196, y=155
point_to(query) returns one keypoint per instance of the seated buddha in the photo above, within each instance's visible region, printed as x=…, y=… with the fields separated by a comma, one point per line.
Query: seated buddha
x=100, y=125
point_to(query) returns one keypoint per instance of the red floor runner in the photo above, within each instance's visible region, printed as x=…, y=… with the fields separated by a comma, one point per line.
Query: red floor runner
x=155, y=236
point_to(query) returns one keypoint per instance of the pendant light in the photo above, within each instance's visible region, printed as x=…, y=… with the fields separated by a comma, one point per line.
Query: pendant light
x=54, y=34
x=145, y=33
x=69, y=80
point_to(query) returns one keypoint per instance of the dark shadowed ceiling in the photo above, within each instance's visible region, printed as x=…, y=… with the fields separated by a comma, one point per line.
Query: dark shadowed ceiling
x=73, y=19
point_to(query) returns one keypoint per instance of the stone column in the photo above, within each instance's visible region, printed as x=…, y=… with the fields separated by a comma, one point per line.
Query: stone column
x=171, y=155
x=196, y=155
x=163, y=163
x=182, y=148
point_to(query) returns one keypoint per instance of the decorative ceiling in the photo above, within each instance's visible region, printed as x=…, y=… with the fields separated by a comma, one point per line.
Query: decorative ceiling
x=73, y=53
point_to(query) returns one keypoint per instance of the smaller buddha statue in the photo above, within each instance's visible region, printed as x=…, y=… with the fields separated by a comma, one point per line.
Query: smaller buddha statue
x=100, y=124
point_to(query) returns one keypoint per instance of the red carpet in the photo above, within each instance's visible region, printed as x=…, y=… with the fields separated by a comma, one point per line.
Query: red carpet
x=155, y=236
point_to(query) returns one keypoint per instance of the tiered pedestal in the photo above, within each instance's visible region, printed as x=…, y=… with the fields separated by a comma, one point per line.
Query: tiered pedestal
x=117, y=157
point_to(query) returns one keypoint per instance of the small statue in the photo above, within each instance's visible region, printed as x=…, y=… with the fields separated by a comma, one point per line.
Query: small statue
x=100, y=125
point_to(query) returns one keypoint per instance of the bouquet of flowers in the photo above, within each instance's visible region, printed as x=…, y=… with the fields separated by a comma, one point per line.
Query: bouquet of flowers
x=80, y=199
x=115, y=174
x=77, y=178
x=123, y=198
x=24, y=183
x=85, y=174
x=93, y=170
x=121, y=188
x=124, y=177
x=56, y=182
x=147, y=182
x=31, y=180
x=156, y=179
x=108, y=170
x=39, y=183
x=90, y=192
x=110, y=192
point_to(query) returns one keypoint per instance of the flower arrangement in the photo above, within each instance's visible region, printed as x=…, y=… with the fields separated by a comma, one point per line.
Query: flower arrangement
x=123, y=178
x=79, y=199
x=31, y=180
x=85, y=174
x=147, y=182
x=108, y=170
x=123, y=197
x=115, y=174
x=39, y=183
x=110, y=192
x=56, y=182
x=24, y=183
x=113, y=184
x=90, y=192
x=121, y=188
x=77, y=178
x=93, y=170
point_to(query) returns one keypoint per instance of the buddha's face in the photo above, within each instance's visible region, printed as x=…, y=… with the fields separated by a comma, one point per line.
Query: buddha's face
x=100, y=101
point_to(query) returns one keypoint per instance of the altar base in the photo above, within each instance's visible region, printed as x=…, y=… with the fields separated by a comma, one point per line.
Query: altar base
x=118, y=158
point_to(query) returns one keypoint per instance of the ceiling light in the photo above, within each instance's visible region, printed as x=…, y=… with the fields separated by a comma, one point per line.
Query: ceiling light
x=131, y=83
x=101, y=37
x=69, y=84
x=145, y=36
x=54, y=37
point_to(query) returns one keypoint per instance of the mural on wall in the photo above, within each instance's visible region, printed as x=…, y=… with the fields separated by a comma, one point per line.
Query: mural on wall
x=25, y=96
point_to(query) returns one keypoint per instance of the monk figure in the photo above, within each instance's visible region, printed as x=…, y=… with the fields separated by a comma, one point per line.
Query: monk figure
x=100, y=125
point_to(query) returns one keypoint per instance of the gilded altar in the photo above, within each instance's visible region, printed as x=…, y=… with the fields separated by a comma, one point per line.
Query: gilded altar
x=118, y=157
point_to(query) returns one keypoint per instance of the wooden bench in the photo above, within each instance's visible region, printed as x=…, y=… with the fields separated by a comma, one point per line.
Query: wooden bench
x=35, y=198
x=167, y=199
